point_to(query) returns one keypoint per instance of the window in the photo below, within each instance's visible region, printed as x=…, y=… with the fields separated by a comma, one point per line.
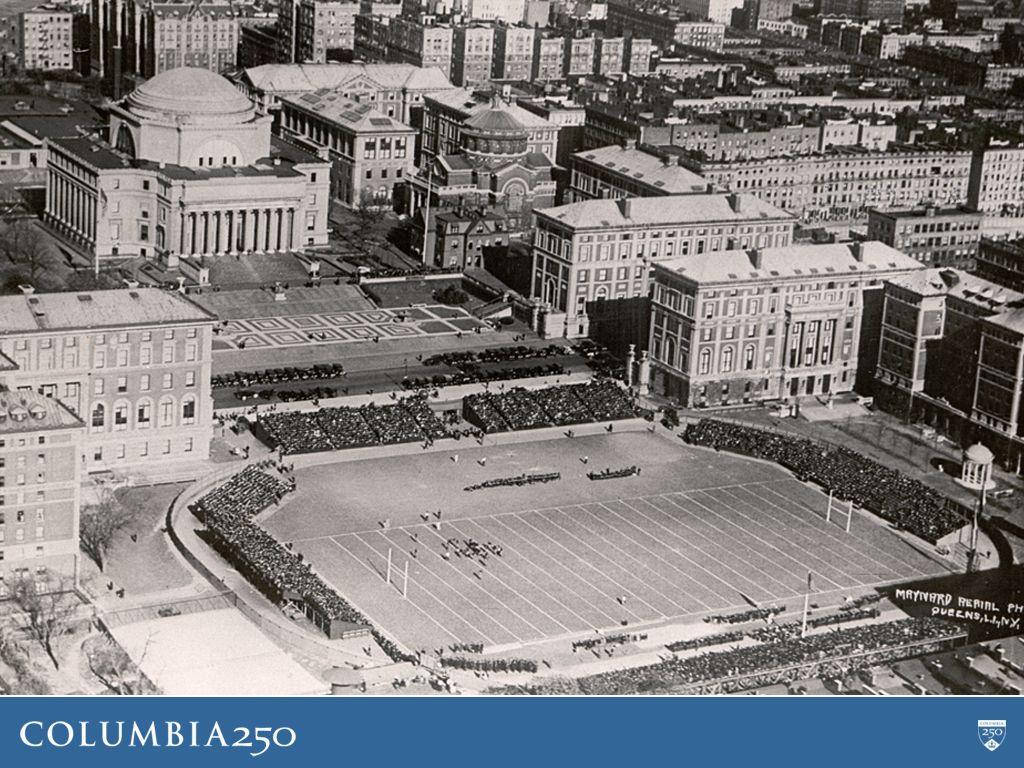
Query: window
x=190, y=353
x=145, y=184
x=121, y=416
x=97, y=387
x=167, y=412
x=143, y=414
x=705, y=361
x=98, y=416
x=188, y=410
x=122, y=383
x=168, y=382
x=190, y=378
x=144, y=382
x=168, y=353
x=145, y=355
x=748, y=357
x=727, y=359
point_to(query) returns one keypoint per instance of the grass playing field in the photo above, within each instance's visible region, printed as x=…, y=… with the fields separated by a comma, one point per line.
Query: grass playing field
x=696, y=532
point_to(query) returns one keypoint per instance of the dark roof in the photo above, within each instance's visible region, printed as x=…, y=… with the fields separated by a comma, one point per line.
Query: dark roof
x=495, y=120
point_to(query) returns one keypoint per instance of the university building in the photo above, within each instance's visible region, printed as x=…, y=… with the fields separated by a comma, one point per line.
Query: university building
x=597, y=251
x=191, y=172
x=40, y=476
x=741, y=326
x=132, y=365
x=952, y=356
x=371, y=154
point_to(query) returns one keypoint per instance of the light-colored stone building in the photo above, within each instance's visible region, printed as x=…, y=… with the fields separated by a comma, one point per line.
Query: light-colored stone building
x=191, y=172
x=133, y=365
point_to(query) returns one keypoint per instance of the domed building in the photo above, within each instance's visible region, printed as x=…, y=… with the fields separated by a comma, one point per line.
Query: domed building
x=495, y=178
x=188, y=169
x=190, y=117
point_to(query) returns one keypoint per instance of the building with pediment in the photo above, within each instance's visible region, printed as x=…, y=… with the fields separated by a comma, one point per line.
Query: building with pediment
x=394, y=90
x=190, y=170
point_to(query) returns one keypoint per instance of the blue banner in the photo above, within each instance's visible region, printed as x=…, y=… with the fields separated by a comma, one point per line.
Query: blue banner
x=386, y=731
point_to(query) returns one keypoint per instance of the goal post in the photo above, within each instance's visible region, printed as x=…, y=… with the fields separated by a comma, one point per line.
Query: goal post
x=843, y=512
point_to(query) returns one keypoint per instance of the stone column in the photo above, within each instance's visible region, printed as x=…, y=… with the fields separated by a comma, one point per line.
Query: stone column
x=257, y=231
x=275, y=229
x=181, y=234
x=224, y=241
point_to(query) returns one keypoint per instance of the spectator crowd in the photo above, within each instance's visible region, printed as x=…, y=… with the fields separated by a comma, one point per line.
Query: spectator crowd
x=325, y=429
x=560, y=405
x=274, y=569
x=906, y=503
x=740, y=667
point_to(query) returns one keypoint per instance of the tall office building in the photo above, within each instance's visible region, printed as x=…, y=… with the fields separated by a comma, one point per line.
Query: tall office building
x=45, y=39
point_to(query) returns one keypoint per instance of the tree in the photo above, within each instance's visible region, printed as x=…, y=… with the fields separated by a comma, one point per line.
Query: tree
x=114, y=668
x=369, y=213
x=100, y=523
x=45, y=616
x=13, y=655
x=452, y=296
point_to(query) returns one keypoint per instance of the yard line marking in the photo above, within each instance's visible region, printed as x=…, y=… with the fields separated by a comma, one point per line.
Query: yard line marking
x=730, y=587
x=411, y=602
x=649, y=501
x=591, y=567
x=506, y=562
x=518, y=550
x=421, y=563
x=605, y=557
x=836, y=537
x=801, y=532
x=493, y=562
x=449, y=587
x=797, y=575
x=659, y=557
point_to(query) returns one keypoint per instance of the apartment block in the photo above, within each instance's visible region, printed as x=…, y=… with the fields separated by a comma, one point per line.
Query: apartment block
x=940, y=237
x=45, y=39
x=472, y=55
x=548, y=58
x=513, y=53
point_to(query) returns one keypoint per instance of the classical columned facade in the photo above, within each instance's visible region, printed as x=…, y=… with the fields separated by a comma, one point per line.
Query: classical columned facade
x=208, y=232
x=71, y=207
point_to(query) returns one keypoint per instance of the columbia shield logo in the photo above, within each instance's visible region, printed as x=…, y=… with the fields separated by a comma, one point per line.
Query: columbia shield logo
x=991, y=733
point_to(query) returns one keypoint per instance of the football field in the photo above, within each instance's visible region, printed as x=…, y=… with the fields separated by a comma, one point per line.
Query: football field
x=697, y=532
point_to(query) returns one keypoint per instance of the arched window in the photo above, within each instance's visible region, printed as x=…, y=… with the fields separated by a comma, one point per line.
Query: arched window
x=188, y=409
x=705, y=361
x=727, y=360
x=99, y=416
x=748, y=357
x=670, y=351
x=166, y=411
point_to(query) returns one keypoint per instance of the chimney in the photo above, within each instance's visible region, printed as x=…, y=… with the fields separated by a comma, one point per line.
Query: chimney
x=626, y=206
x=930, y=210
x=857, y=251
x=756, y=258
x=736, y=202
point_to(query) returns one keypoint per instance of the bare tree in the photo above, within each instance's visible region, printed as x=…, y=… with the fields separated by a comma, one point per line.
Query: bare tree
x=15, y=658
x=369, y=215
x=31, y=251
x=114, y=668
x=45, y=616
x=100, y=523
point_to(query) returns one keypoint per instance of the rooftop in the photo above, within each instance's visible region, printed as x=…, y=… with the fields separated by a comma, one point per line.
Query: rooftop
x=926, y=211
x=102, y=156
x=792, y=261
x=648, y=168
x=1006, y=307
x=470, y=103
x=27, y=411
x=354, y=114
x=96, y=309
x=314, y=77
x=665, y=211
